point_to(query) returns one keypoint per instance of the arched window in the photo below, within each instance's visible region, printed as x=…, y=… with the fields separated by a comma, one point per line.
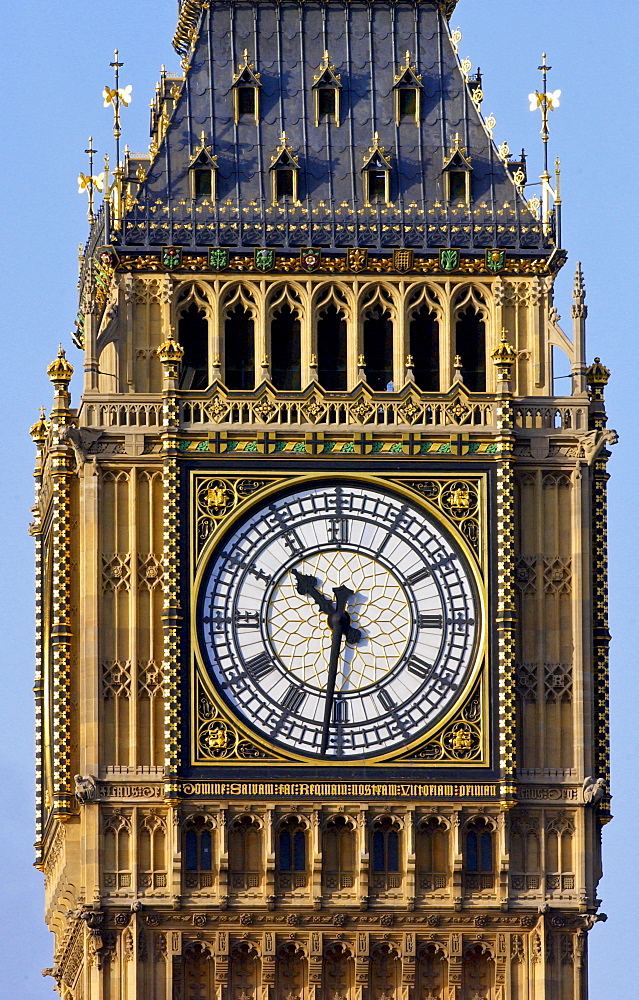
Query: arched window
x=239, y=348
x=245, y=854
x=338, y=854
x=385, y=853
x=291, y=854
x=424, y=348
x=524, y=854
x=479, y=855
x=431, y=854
x=193, y=336
x=378, y=348
x=432, y=971
x=152, y=867
x=560, y=872
x=291, y=970
x=198, y=853
x=478, y=972
x=194, y=973
x=117, y=860
x=338, y=969
x=385, y=970
x=285, y=349
x=244, y=971
x=470, y=345
x=331, y=349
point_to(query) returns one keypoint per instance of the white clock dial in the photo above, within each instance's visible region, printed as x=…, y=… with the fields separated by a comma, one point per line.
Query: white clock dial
x=339, y=621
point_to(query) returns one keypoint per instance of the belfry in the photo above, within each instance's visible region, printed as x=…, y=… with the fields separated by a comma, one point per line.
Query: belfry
x=322, y=634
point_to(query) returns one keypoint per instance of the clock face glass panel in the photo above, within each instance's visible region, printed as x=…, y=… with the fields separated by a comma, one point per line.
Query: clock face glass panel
x=340, y=621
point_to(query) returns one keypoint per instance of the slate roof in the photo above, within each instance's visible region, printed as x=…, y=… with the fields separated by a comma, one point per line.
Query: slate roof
x=367, y=43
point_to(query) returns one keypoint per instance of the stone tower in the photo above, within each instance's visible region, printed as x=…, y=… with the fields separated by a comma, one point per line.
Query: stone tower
x=322, y=626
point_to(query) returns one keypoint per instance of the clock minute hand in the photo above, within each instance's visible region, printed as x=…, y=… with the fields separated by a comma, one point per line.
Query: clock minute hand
x=339, y=620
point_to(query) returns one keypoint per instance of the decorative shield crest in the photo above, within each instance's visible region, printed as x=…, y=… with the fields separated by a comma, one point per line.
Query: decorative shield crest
x=449, y=260
x=264, y=258
x=402, y=260
x=495, y=260
x=171, y=257
x=107, y=257
x=218, y=258
x=310, y=258
x=356, y=259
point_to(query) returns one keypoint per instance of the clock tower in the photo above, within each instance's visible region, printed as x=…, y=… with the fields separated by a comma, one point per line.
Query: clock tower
x=322, y=627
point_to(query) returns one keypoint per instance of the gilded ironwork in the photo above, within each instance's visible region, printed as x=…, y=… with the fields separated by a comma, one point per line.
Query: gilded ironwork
x=217, y=497
x=462, y=740
x=458, y=499
x=218, y=740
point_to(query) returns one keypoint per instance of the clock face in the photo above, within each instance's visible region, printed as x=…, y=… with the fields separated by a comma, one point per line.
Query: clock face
x=340, y=621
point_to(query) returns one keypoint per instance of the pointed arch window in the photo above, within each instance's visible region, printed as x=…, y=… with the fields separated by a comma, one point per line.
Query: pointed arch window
x=284, y=171
x=198, y=853
x=524, y=854
x=338, y=854
x=457, y=175
x=246, y=92
x=285, y=348
x=385, y=854
x=193, y=336
x=479, y=863
x=239, y=348
x=423, y=334
x=291, y=854
x=407, y=89
x=470, y=345
x=378, y=347
x=431, y=851
x=376, y=173
x=202, y=172
x=326, y=93
x=245, y=854
x=332, y=367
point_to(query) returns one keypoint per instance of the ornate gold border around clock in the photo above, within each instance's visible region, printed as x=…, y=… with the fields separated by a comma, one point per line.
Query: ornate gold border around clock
x=217, y=501
x=461, y=737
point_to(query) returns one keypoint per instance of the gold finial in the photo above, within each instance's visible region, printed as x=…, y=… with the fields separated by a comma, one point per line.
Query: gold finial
x=245, y=55
x=170, y=354
x=457, y=363
x=40, y=428
x=409, y=361
x=597, y=375
x=117, y=98
x=89, y=183
x=60, y=371
x=361, y=363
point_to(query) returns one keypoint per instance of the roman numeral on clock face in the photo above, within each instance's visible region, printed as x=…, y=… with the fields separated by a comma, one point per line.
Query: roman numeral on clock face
x=419, y=667
x=260, y=665
x=293, y=699
x=247, y=619
x=430, y=621
x=386, y=700
x=338, y=529
x=421, y=574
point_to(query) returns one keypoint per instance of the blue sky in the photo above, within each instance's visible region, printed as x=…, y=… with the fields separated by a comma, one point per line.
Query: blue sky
x=55, y=63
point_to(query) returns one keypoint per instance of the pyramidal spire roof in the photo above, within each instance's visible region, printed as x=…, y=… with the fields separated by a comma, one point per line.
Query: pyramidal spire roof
x=249, y=75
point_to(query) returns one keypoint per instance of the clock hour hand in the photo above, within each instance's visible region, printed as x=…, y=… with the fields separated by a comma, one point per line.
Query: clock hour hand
x=307, y=587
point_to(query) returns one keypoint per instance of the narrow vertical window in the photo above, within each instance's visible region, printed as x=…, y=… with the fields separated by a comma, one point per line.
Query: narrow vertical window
x=193, y=335
x=239, y=349
x=471, y=347
x=203, y=182
x=331, y=350
x=246, y=92
x=246, y=102
x=424, y=348
x=285, y=349
x=326, y=93
x=378, y=349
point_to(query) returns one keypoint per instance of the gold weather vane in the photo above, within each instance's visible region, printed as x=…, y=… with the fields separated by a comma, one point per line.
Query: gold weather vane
x=547, y=101
x=117, y=97
x=89, y=182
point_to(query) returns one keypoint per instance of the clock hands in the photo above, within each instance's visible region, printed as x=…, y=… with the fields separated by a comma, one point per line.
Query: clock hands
x=339, y=622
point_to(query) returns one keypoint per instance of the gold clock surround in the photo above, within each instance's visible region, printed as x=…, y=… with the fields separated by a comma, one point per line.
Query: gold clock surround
x=458, y=503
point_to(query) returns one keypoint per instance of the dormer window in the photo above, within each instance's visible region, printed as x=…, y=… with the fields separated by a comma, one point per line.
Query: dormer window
x=326, y=93
x=202, y=170
x=284, y=171
x=376, y=174
x=246, y=92
x=457, y=175
x=408, y=92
